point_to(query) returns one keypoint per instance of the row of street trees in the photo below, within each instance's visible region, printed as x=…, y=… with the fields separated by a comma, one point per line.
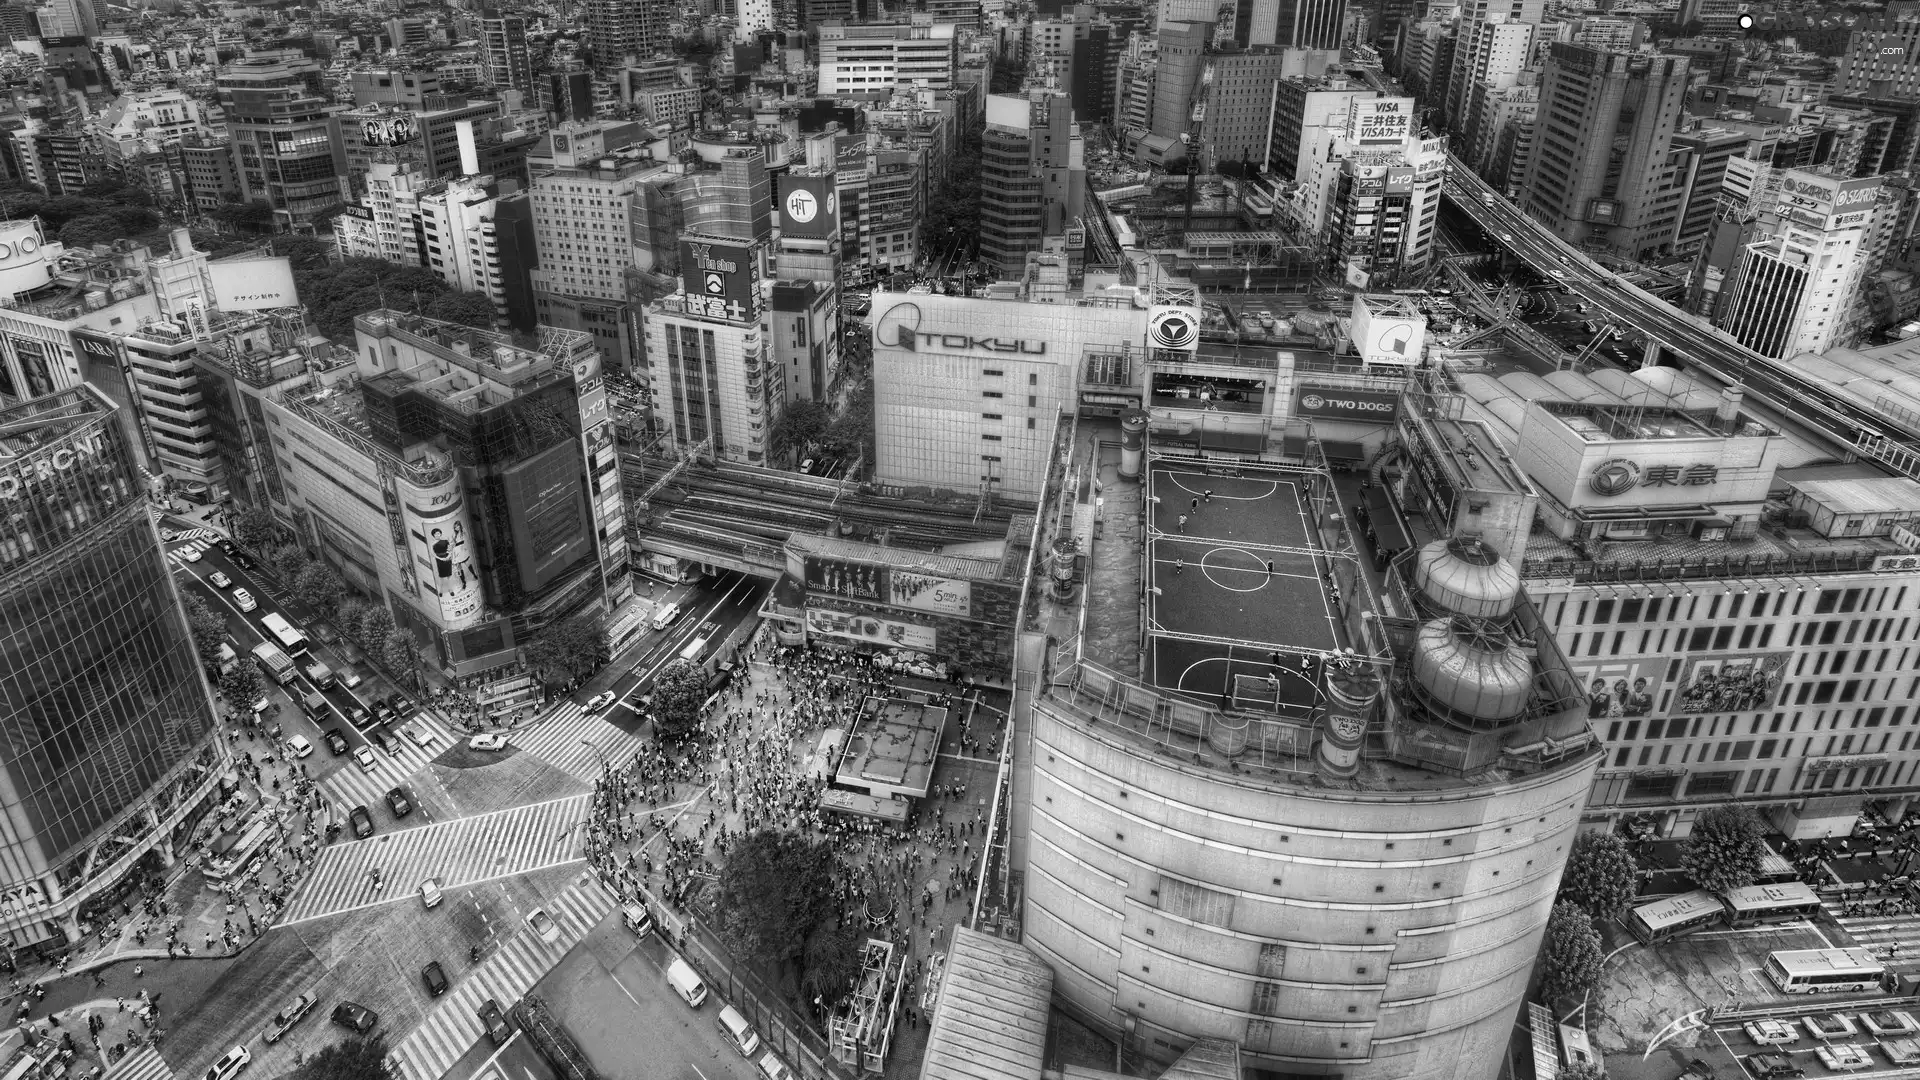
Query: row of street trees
x=779, y=910
x=1725, y=851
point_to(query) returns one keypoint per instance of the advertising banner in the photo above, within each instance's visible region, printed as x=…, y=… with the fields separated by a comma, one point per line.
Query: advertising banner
x=389, y=130
x=1383, y=338
x=808, y=207
x=1735, y=682
x=1380, y=120
x=719, y=275
x=437, y=536
x=1348, y=406
x=873, y=631
x=924, y=592
x=856, y=581
x=1621, y=689
x=547, y=512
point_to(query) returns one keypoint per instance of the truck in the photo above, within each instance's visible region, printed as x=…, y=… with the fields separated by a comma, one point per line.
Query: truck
x=274, y=663
x=314, y=705
x=228, y=658
x=319, y=674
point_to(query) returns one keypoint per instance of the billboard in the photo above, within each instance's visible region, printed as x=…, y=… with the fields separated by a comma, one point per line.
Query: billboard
x=809, y=208
x=1175, y=328
x=836, y=577
x=1377, y=121
x=1348, y=406
x=872, y=630
x=720, y=278
x=1816, y=201
x=389, y=130
x=1621, y=689
x=928, y=592
x=252, y=284
x=1388, y=338
x=546, y=506
x=1734, y=682
x=438, y=538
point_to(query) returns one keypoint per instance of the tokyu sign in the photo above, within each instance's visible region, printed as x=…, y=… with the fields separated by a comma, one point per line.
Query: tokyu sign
x=900, y=328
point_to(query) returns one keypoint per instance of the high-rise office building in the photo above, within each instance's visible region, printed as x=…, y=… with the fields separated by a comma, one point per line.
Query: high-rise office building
x=1603, y=132
x=1795, y=285
x=1883, y=61
x=1240, y=99
x=112, y=745
x=1033, y=176
x=715, y=381
x=1290, y=24
x=875, y=60
x=284, y=135
x=621, y=29
x=1179, y=67
x=505, y=60
x=1493, y=51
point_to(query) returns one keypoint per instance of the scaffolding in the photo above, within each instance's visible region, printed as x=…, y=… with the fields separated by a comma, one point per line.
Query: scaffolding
x=860, y=1031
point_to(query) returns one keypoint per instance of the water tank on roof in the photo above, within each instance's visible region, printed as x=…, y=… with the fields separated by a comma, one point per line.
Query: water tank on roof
x=1466, y=577
x=1472, y=669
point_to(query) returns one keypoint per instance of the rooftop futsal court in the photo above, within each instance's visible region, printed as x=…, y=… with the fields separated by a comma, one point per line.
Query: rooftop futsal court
x=1241, y=598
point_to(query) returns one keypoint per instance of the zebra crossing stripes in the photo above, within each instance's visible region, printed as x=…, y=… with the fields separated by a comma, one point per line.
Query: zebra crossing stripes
x=457, y=853
x=453, y=1025
x=1884, y=935
x=354, y=786
x=143, y=1064
x=575, y=743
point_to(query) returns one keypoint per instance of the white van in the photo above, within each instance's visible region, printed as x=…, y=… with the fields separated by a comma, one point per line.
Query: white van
x=665, y=616
x=681, y=976
x=738, y=1031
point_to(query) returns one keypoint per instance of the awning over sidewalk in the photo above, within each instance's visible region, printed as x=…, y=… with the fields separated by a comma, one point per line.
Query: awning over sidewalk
x=991, y=1020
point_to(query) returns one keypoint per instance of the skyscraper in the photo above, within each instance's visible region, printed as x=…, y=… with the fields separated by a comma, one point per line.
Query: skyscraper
x=1604, y=127
x=504, y=57
x=284, y=142
x=1033, y=176
x=108, y=720
x=1295, y=24
x=1883, y=62
x=1794, y=287
x=618, y=29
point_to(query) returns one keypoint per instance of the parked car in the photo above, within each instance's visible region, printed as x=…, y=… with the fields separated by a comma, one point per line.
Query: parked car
x=1772, y=1032
x=495, y=1023
x=362, y=822
x=1767, y=1066
x=397, y=802
x=435, y=978
x=300, y=746
x=335, y=741
x=230, y=1064
x=284, y=1020
x=355, y=1017
x=487, y=742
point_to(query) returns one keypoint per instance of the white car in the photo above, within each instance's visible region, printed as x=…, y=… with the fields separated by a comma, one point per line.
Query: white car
x=1506, y=237
x=542, y=924
x=430, y=893
x=230, y=1064
x=1560, y=274
x=1844, y=1057
x=299, y=745
x=600, y=701
x=415, y=734
x=220, y=580
x=189, y=553
x=363, y=757
x=487, y=742
x=244, y=600
x=1772, y=1033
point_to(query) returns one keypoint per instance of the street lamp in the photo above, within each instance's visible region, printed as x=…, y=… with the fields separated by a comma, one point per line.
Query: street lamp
x=595, y=747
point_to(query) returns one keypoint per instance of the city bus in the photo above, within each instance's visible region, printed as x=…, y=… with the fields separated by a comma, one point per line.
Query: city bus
x=293, y=641
x=273, y=662
x=1756, y=905
x=696, y=649
x=1824, y=971
x=1675, y=915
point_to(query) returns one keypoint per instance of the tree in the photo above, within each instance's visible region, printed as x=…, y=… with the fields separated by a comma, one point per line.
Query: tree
x=376, y=622
x=775, y=890
x=568, y=652
x=1570, y=956
x=1582, y=1070
x=209, y=630
x=678, y=692
x=288, y=562
x=466, y=308
x=1601, y=876
x=832, y=960
x=349, y=1059
x=242, y=686
x=1725, y=850
x=401, y=656
x=801, y=424
x=254, y=528
x=317, y=584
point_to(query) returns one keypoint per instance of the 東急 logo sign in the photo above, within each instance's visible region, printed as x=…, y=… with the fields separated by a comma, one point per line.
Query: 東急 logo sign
x=1615, y=477
x=1173, y=329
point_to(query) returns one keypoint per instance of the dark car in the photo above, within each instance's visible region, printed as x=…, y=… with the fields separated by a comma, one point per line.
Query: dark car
x=362, y=822
x=399, y=704
x=240, y=560
x=226, y=546
x=435, y=978
x=355, y=1017
x=494, y=1022
x=397, y=802
x=284, y=1020
x=1766, y=1066
x=336, y=742
x=382, y=741
x=359, y=716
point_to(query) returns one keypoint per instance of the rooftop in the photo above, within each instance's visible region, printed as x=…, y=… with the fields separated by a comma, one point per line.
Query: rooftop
x=991, y=1023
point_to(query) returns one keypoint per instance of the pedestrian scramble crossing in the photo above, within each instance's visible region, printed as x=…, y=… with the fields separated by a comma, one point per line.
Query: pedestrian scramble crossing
x=573, y=742
x=353, y=786
x=459, y=852
x=143, y=1064
x=453, y=1024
